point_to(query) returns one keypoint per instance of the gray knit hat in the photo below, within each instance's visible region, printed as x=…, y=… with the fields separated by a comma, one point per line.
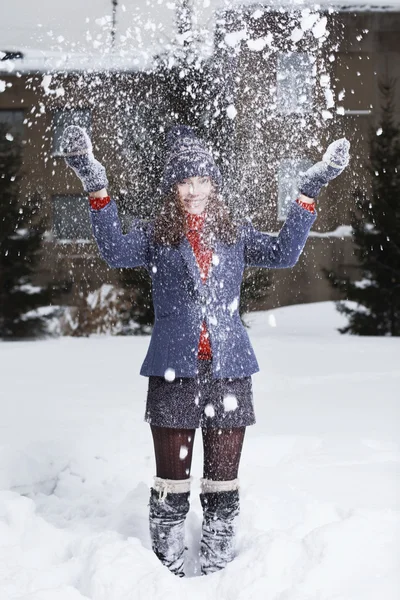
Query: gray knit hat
x=187, y=156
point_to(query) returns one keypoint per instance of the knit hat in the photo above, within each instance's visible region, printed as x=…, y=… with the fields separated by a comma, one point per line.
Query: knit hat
x=187, y=156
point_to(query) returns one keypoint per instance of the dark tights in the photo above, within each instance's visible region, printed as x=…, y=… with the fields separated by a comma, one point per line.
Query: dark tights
x=174, y=447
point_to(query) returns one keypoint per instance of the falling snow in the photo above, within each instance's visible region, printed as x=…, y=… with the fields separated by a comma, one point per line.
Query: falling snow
x=235, y=37
x=258, y=44
x=100, y=540
x=296, y=34
x=169, y=375
x=230, y=403
x=183, y=452
x=231, y=111
x=209, y=411
x=233, y=306
x=308, y=19
x=319, y=29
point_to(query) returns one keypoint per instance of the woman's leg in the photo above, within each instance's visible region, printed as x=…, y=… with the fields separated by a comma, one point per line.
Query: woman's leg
x=169, y=498
x=173, y=450
x=222, y=451
x=220, y=496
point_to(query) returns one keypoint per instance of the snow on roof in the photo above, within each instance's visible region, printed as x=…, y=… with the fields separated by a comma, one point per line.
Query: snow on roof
x=45, y=61
x=76, y=36
x=323, y=5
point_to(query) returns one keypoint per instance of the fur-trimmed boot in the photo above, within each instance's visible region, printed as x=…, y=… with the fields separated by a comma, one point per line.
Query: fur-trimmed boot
x=169, y=505
x=220, y=502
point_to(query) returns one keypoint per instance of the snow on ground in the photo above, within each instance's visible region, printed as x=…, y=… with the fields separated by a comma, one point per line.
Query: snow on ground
x=320, y=470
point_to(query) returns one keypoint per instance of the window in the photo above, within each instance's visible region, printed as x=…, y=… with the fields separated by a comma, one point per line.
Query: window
x=295, y=83
x=71, y=220
x=63, y=118
x=288, y=174
x=13, y=120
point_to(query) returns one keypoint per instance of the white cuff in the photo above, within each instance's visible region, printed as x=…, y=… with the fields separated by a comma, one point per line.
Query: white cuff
x=208, y=486
x=171, y=486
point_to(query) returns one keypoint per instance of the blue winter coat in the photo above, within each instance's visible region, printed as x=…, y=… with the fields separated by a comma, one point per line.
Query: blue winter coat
x=182, y=301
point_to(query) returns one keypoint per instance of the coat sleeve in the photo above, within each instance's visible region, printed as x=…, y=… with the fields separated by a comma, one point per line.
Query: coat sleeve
x=264, y=250
x=118, y=249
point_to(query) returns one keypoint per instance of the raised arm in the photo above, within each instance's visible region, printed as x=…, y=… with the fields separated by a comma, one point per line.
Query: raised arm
x=117, y=249
x=264, y=250
x=283, y=250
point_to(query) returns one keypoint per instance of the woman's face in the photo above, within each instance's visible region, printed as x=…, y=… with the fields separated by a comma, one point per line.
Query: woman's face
x=193, y=194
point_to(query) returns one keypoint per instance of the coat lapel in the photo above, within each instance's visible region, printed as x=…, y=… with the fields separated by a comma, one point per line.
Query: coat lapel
x=215, y=269
x=188, y=255
x=186, y=251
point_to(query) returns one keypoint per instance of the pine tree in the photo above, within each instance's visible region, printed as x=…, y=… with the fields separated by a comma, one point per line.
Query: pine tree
x=138, y=317
x=175, y=96
x=192, y=90
x=182, y=73
x=376, y=235
x=21, y=237
x=255, y=285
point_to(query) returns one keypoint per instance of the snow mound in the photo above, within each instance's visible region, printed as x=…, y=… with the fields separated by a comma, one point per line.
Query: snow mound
x=320, y=518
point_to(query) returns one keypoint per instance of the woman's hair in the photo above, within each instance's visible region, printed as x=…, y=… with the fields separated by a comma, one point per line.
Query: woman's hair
x=170, y=224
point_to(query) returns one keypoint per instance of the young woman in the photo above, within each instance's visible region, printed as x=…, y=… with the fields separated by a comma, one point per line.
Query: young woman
x=200, y=359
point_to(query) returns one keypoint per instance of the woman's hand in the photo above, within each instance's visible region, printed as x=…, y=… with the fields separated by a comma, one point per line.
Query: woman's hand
x=334, y=161
x=76, y=148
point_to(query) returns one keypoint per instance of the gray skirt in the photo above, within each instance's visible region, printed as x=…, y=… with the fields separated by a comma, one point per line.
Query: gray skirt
x=201, y=401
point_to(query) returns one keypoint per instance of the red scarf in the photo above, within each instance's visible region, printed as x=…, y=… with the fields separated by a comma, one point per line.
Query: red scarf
x=203, y=254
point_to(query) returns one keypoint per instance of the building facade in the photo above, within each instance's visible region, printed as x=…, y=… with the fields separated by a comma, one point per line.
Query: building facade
x=298, y=82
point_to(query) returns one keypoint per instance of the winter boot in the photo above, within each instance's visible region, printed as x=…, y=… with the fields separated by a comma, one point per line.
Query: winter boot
x=220, y=502
x=169, y=505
